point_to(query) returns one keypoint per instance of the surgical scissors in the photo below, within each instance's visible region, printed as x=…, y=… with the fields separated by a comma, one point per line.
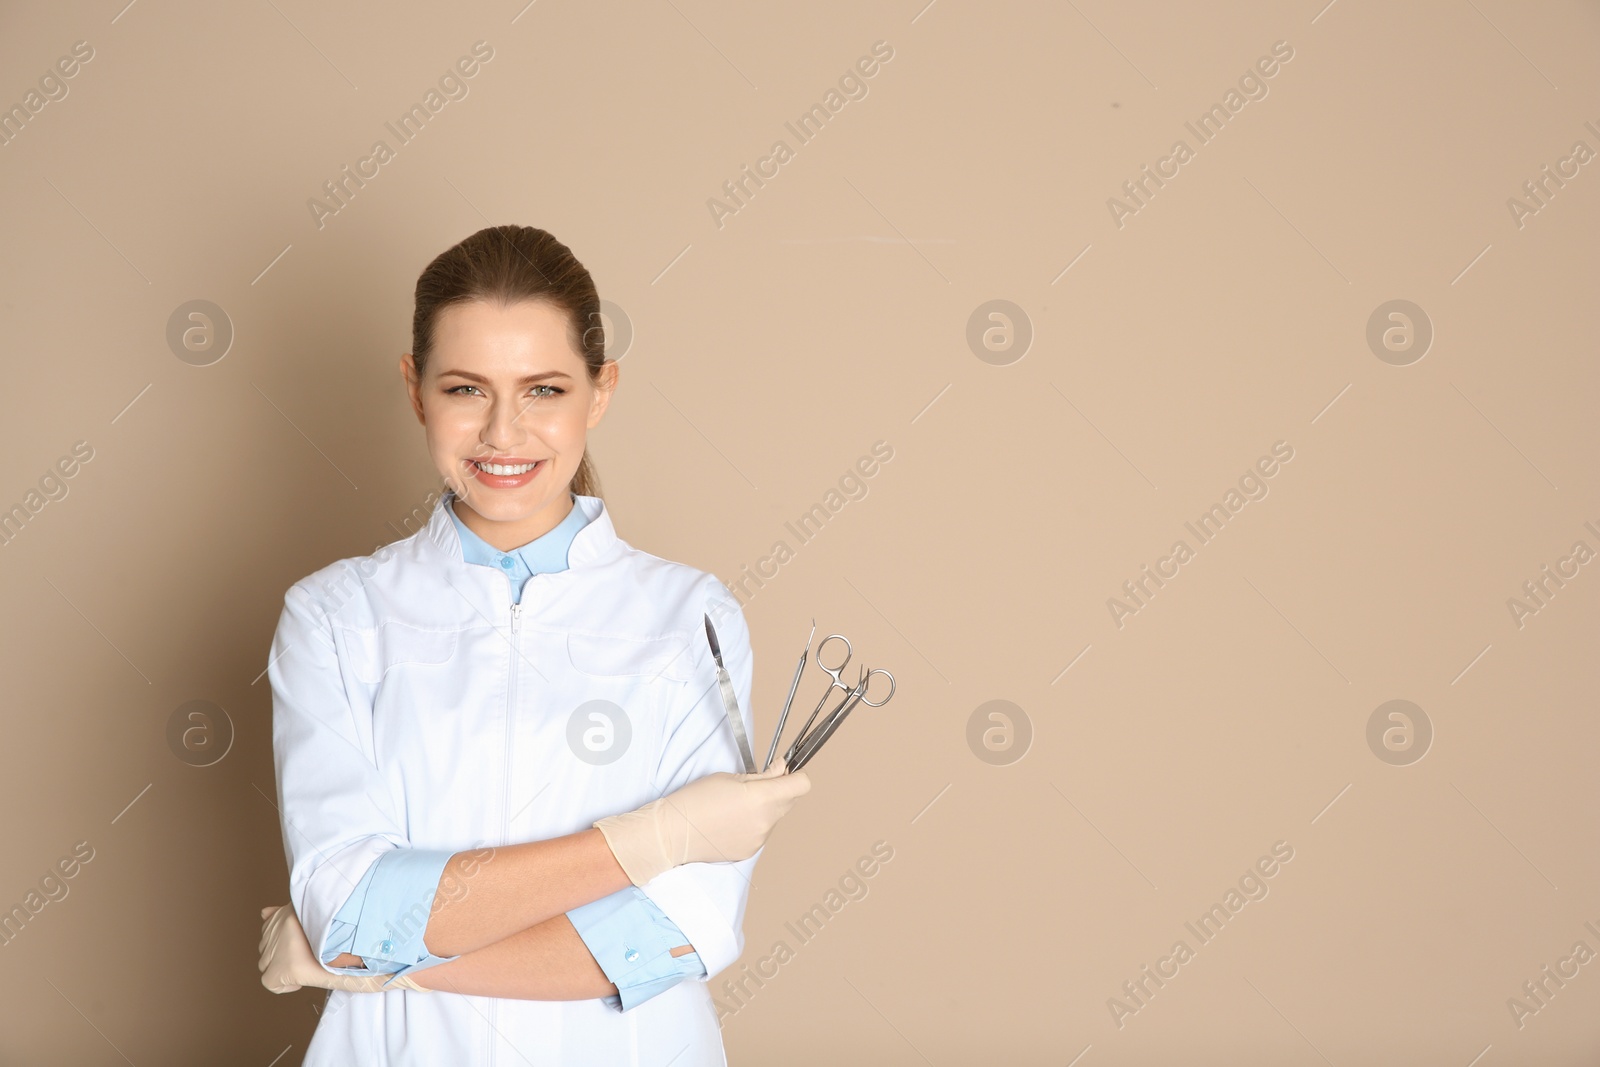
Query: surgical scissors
x=853, y=695
x=825, y=729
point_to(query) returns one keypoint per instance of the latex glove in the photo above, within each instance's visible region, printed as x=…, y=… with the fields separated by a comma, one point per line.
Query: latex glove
x=721, y=817
x=287, y=962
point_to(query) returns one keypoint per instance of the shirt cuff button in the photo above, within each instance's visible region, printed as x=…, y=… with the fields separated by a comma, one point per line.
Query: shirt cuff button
x=631, y=955
x=386, y=947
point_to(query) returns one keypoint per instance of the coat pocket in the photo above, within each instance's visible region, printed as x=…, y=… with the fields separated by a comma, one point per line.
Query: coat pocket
x=644, y=659
x=374, y=653
x=624, y=689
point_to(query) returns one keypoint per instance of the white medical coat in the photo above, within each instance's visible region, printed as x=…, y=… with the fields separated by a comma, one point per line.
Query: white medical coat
x=412, y=707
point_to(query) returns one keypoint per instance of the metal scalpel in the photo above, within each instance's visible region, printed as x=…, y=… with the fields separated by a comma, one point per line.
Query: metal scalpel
x=730, y=702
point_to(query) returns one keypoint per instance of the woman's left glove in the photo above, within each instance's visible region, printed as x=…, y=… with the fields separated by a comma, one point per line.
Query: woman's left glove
x=722, y=817
x=287, y=962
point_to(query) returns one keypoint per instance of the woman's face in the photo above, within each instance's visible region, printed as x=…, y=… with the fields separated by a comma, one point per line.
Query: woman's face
x=507, y=405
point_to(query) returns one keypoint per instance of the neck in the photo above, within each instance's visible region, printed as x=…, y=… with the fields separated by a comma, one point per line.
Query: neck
x=506, y=536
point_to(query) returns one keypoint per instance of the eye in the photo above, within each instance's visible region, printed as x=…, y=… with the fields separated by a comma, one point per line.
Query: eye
x=462, y=390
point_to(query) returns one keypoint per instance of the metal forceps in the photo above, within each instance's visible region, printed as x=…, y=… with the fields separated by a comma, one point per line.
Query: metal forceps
x=808, y=741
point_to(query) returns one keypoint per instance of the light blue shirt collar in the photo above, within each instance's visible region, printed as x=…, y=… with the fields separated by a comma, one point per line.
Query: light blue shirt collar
x=545, y=554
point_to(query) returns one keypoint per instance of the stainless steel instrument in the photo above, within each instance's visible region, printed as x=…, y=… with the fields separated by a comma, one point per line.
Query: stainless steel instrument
x=800, y=667
x=808, y=741
x=730, y=702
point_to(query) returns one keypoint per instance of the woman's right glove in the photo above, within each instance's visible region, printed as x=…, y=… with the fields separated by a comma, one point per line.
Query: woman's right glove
x=721, y=817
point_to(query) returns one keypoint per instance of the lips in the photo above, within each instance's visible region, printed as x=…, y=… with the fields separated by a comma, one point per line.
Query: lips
x=506, y=468
x=506, y=472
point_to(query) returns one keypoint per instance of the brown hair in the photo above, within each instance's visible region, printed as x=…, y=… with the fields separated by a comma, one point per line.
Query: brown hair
x=507, y=264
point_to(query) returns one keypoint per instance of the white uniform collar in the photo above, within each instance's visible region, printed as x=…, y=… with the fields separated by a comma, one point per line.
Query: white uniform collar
x=593, y=544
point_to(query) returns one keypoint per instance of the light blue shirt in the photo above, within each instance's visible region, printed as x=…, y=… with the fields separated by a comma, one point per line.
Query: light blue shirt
x=385, y=916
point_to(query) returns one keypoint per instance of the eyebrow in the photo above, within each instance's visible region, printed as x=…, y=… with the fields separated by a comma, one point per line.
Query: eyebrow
x=521, y=381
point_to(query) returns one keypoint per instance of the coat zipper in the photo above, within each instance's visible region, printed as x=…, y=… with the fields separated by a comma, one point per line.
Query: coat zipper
x=505, y=786
x=511, y=720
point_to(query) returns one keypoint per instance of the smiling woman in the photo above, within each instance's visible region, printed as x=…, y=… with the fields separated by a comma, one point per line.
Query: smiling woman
x=446, y=837
x=493, y=426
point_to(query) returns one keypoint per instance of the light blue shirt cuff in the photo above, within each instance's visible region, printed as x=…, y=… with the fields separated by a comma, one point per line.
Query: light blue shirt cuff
x=342, y=934
x=386, y=915
x=632, y=939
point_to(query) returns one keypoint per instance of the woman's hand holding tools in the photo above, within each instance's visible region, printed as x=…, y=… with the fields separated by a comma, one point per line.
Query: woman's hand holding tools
x=721, y=817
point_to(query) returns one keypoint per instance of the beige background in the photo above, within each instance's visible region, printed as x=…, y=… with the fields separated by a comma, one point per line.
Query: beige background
x=768, y=355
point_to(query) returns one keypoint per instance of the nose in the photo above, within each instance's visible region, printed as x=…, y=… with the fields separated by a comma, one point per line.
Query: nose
x=503, y=429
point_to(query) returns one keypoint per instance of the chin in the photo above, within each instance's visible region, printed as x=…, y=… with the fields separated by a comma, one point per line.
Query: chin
x=504, y=505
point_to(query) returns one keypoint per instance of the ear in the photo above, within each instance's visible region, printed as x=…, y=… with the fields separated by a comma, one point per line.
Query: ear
x=408, y=371
x=604, y=388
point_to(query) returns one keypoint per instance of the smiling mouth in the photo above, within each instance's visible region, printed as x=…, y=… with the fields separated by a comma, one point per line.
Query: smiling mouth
x=504, y=470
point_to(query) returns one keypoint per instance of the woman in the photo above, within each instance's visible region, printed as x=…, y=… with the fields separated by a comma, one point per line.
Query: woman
x=503, y=762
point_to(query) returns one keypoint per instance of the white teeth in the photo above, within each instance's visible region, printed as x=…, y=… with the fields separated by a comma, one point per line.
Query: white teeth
x=502, y=469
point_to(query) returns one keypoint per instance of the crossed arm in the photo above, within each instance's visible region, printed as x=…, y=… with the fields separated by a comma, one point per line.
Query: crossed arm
x=544, y=962
x=515, y=941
